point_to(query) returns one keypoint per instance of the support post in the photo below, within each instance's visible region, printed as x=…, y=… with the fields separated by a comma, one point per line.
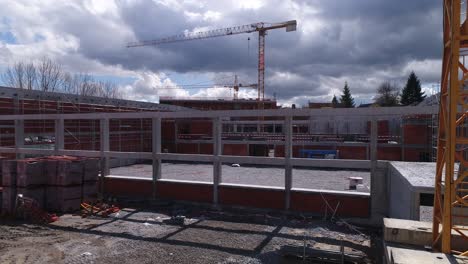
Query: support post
x=373, y=145
x=287, y=157
x=19, y=137
x=59, y=135
x=402, y=139
x=217, y=151
x=156, y=139
x=104, y=125
x=378, y=188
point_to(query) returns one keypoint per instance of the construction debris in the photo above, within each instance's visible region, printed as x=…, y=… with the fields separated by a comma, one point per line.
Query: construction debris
x=29, y=209
x=99, y=209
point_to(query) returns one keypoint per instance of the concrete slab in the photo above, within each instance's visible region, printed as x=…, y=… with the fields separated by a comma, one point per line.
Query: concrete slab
x=265, y=176
x=420, y=175
x=416, y=233
x=397, y=254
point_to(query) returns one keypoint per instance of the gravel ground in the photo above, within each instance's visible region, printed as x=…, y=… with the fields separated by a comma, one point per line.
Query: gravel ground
x=302, y=178
x=141, y=236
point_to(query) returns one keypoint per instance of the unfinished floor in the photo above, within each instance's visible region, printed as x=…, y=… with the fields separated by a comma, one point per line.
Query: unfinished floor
x=265, y=176
x=140, y=236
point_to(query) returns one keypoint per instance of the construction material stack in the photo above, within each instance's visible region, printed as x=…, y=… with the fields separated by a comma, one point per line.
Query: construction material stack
x=56, y=183
x=8, y=185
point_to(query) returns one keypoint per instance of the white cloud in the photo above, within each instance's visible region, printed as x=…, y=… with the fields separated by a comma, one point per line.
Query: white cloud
x=334, y=43
x=150, y=86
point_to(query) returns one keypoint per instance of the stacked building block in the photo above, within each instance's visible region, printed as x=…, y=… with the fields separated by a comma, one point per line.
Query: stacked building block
x=72, y=180
x=8, y=185
x=30, y=179
x=57, y=183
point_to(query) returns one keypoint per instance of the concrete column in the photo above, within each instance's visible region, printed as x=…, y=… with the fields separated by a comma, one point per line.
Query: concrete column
x=59, y=135
x=19, y=137
x=156, y=148
x=217, y=151
x=373, y=144
x=287, y=156
x=104, y=126
x=176, y=135
x=402, y=139
x=19, y=127
x=311, y=124
x=378, y=189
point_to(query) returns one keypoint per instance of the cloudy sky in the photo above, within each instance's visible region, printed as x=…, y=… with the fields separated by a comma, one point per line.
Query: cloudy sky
x=363, y=42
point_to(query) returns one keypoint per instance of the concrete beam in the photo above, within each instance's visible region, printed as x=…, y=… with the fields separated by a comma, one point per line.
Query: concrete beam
x=363, y=113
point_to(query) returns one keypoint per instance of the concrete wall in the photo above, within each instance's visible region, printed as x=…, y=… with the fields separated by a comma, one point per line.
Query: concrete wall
x=403, y=201
x=379, y=192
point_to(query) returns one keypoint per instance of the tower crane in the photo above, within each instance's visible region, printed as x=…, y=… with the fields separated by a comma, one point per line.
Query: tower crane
x=238, y=85
x=451, y=181
x=260, y=27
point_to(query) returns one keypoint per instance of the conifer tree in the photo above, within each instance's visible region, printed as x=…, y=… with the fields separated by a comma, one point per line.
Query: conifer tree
x=347, y=99
x=412, y=93
x=334, y=102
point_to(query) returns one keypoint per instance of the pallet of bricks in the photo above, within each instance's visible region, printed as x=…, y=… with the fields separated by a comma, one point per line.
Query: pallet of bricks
x=58, y=183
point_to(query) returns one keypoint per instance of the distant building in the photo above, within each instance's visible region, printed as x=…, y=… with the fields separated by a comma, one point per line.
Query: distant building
x=367, y=105
x=219, y=104
x=320, y=105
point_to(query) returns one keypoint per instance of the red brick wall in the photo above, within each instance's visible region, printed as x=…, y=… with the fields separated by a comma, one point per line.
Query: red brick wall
x=358, y=153
x=412, y=154
x=235, y=150
x=350, y=206
x=416, y=134
x=167, y=130
x=185, y=191
x=382, y=128
x=128, y=187
x=389, y=153
x=201, y=127
x=187, y=148
x=252, y=197
x=301, y=201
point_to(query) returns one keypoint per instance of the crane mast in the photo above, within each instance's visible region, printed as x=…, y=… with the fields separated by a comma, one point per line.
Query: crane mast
x=261, y=28
x=451, y=181
x=237, y=85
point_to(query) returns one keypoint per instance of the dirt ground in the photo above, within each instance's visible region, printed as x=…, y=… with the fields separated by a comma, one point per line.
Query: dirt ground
x=207, y=236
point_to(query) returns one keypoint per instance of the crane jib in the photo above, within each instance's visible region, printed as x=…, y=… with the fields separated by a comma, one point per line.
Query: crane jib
x=261, y=28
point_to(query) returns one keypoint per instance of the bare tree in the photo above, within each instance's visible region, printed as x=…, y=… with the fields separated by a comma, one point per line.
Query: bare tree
x=108, y=89
x=30, y=76
x=387, y=94
x=86, y=85
x=49, y=75
x=15, y=75
x=69, y=83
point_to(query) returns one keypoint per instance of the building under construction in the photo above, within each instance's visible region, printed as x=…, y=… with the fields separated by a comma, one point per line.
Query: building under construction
x=236, y=181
